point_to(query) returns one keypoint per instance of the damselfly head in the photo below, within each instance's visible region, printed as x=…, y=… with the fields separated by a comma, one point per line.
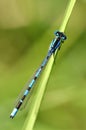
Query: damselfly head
x=56, y=42
x=61, y=35
x=63, y=38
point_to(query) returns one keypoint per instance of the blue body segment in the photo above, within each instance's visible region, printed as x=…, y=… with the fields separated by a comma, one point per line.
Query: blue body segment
x=31, y=83
x=38, y=72
x=44, y=62
x=52, y=47
x=14, y=112
x=26, y=92
x=55, y=45
x=21, y=101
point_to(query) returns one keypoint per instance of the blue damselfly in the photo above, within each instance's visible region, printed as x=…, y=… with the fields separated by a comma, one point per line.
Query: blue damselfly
x=55, y=45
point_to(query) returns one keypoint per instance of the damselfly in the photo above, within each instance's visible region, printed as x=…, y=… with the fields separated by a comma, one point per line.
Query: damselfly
x=55, y=45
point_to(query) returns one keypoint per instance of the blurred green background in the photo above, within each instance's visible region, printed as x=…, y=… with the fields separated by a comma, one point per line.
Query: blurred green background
x=26, y=30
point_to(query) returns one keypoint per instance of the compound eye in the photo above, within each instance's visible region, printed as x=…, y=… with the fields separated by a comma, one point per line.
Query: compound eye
x=56, y=33
x=64, y=37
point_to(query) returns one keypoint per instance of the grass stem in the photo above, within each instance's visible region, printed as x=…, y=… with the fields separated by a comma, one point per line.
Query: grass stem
x=34, y=106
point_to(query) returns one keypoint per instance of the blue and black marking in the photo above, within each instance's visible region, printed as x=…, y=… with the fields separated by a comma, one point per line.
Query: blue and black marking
x=15, y=110
x=31, y=83
x=55, y=44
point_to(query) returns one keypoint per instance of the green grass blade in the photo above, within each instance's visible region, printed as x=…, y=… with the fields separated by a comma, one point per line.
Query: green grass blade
x=67, y=14
x=34, y=106
x=38, y=97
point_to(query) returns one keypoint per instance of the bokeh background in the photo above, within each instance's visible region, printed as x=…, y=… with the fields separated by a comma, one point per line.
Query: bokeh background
x=26, y=30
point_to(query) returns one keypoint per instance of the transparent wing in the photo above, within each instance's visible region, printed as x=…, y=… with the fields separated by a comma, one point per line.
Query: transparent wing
x=21, y=94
